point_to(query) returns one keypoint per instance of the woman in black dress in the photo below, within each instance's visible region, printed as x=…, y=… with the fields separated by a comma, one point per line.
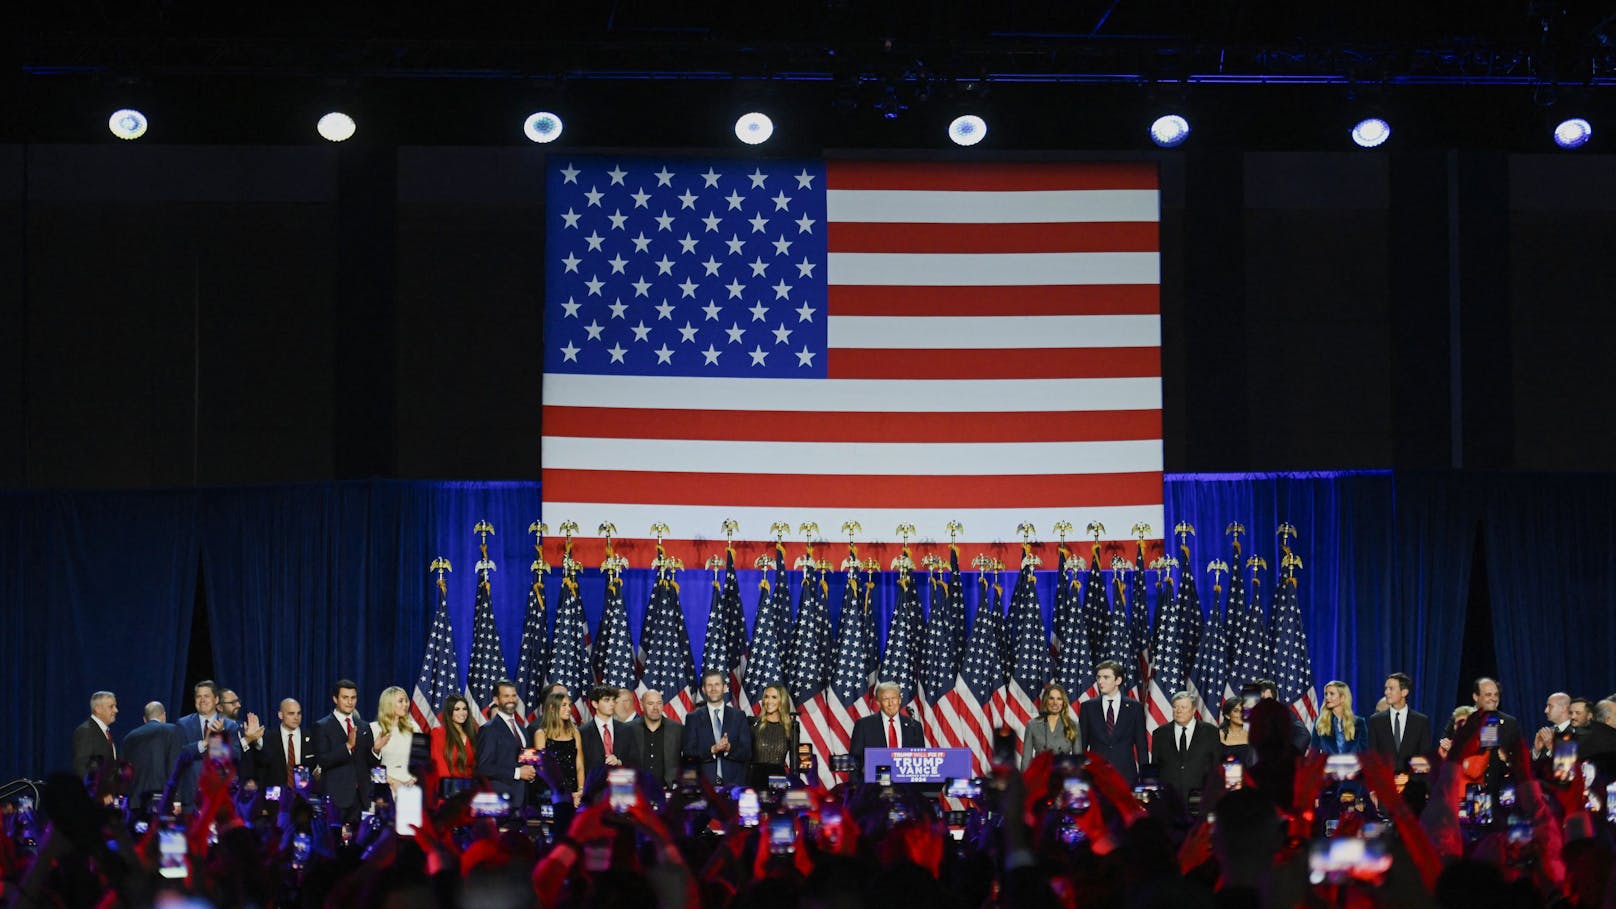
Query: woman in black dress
x=1232, y=732
x=774, y=740
x=557, y=737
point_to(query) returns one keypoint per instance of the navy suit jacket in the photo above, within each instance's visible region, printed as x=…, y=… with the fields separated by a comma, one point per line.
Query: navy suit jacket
x=871, y=732
x=151, y=749
x=625, y=744
x=191, y=732
x=1126, y=746
x=90, y=742
x=730, y=767
x=345, y=777
x=497, y=754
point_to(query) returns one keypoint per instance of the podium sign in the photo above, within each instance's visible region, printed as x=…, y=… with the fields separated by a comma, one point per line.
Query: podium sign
x=918, y=765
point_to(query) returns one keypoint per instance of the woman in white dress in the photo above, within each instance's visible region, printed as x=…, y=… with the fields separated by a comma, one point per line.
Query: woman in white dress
x=393, y=716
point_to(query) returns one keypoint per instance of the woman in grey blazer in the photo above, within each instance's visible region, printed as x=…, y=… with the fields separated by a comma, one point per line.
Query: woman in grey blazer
x=1053, y=729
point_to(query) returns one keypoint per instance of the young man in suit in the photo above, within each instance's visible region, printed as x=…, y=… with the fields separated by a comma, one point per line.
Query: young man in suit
x=604, y=740
x=93, y=737
x=500, y=743
x=151, y=749
x=1187, y=749
x=345, y=751
x=1113, y=726
x=196, y=728
x=270, y=760
x=716, y=736
x=891, y=728
x=1399, y=732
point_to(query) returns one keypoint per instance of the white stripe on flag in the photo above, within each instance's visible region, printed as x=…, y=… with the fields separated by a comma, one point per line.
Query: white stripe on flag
x=992, y=270
x=898, y=206
x=993, y=332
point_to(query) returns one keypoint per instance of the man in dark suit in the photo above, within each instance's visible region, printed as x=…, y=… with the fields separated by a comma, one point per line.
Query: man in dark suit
x=891, y=728
x=345, y=751
x=1187, y=749
x=1485, y=693
x=1399, y=732
x=151, y=750
x=1113, y=726
x=195, y=729
x=499, y=748
x=269, y=761
x=604, y=740
x=92, y=740
x=716, y=736
x=659, y=738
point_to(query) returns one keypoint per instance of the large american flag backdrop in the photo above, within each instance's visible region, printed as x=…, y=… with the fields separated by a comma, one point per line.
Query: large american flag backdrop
x=811, y=341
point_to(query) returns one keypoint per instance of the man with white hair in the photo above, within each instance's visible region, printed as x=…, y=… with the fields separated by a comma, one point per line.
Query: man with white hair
x=92, y=739
x=1186, y=749
x=891, y=728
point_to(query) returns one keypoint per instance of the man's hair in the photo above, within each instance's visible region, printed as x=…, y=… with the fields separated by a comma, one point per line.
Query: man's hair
x=1605, y=711
x=1195, y=702
x=342, y=684
x=1475, y=686
x=209, y=684
x=503, y=684
x=601, y=692
x=1586, y=702
x=881, y=687
x=100, y=696
x=714, y=673
x=1267, y=686
x=1402, y=679
x=1113, y=665
x=154, y=710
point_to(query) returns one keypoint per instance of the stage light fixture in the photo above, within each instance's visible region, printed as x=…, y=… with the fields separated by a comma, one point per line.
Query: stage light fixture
x=336, y=127
x=1573, y=133
x=542, y=126
x=754, y=128
x=1371, y=132
x=968, y=130
x=127, y=123
x=1170, y=131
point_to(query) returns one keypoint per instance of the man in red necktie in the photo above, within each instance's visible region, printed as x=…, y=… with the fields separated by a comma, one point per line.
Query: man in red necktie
x=345, y=751
x=891, y=728
x=93, y=738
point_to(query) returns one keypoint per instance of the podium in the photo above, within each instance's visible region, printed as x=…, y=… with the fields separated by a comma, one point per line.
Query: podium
x=918, y=765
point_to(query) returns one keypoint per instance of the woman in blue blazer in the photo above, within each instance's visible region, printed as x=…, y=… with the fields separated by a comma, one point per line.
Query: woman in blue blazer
x=1339, y=730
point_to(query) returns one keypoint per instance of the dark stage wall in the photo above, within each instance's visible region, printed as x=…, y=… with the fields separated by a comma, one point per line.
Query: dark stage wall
x=223, y=315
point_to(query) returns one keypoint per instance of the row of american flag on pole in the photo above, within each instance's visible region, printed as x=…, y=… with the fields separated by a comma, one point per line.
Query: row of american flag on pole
x=966, y=681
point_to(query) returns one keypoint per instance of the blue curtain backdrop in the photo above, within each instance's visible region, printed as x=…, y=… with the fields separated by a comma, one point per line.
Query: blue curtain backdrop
x=309, y=583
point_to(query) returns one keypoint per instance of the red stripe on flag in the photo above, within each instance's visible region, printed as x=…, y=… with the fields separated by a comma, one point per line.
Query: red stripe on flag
x=1084, y=236
x=1056, y=363
x=853, y=490
x=1028, y=300
x=988, y=177
x=855, y=426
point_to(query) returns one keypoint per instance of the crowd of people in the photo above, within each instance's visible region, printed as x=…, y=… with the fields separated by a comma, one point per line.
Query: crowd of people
x=630, y=808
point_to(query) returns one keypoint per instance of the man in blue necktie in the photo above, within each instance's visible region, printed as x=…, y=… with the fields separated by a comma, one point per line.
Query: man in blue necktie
x=716, y=736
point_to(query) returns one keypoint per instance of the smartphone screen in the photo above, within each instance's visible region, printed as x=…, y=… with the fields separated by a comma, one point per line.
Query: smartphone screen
x=378, y=775
x=1565, y=760
x=171, y=852
x=782, y=836
x=273, y=793
x=747, y=804
x=1234, y=776
x=1075, y=794
x=218, y=748
x=1341, y=766
x=488, y=804
x=623, y=794
x=407, y=810
x=301, y=778
x=964, y=789
x=1489, y=733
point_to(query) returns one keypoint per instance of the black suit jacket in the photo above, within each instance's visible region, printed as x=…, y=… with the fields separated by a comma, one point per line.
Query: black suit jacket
x=1127, y=746
x=151, y=749
x=625, y=744
x=497, y=754
x=344, y=776
x=90, y=742
x=266, y=764
x=697, y=745
x=1509, y=730
x=1183, y=771
x=871, y=732
x=1416, y=738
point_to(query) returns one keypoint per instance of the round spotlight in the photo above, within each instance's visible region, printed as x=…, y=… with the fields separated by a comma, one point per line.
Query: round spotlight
x=336, y=127
x=968, y=130
x=1371, y=132
x=542, y=126
x=754, y=128
x=1573, y=133
x=127, y=124
x=1170, y=131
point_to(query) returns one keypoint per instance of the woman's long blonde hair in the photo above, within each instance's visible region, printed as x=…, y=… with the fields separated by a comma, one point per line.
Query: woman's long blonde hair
x=785, y=707
x=1326, y=723
x=386, y=719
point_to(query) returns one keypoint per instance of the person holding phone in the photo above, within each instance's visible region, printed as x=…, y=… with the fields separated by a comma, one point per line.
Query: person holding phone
x=195, y=728
x=773, y=737
x=1339, y=730
x=1053, y=729
x=454, y=758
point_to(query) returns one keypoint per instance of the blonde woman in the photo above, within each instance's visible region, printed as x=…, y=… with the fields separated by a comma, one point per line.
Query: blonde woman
x=1053, y=730
x=1339, y=730
x=557, y=737
x=393, y=716
x=774, y=740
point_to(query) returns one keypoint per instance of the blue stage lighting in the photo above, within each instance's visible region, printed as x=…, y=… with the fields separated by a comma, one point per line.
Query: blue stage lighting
x=1371, y=132
x=542, y=126
x=1573, y=133
x=1170, y=131
x=968, y=130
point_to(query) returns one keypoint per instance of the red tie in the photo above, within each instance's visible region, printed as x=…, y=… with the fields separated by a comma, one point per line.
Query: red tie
x=1110, y=715
x=516, y=732
x=606, y=736
x=892, y=732
x=291, y=760
x=108, y=734
x=349, y=721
